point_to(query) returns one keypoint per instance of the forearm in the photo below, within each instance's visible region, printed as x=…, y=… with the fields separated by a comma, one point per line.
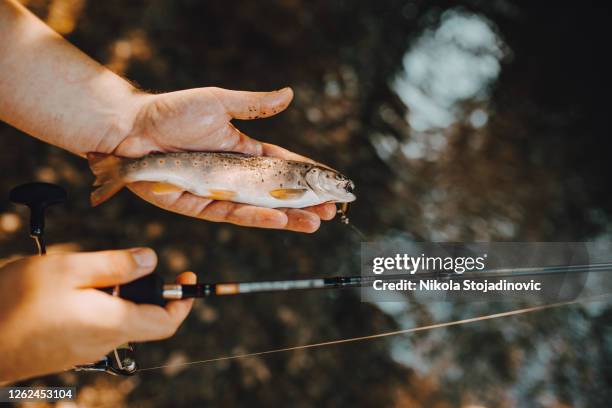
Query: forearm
x=52, y=91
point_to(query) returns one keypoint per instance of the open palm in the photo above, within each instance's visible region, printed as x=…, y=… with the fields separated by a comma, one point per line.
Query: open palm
x=200, y=120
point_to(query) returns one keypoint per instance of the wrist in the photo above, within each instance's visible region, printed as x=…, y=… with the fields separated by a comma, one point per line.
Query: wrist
x=120, y=120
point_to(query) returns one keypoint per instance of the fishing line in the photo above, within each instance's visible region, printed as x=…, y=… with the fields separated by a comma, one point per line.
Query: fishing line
x=358, y=231
x=531, y=309
x=342, y=210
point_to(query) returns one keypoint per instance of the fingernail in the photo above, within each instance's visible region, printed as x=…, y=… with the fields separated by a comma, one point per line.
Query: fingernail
x=144, y=257
x=284, y=89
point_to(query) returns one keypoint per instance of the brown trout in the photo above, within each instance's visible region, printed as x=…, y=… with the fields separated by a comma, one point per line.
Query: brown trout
x=256, y=180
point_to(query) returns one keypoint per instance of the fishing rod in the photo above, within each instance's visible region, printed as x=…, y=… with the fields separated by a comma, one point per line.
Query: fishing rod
x=151, y=289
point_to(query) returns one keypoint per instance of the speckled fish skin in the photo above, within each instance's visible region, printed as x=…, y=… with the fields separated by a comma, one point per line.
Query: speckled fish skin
x=256, y=180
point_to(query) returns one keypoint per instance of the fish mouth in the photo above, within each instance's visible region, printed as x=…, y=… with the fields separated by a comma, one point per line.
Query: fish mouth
x=349, y=198
x=346, y=197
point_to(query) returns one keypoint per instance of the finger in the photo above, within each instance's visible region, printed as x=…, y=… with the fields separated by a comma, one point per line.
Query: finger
x=307, y=220
x=179, y=309
x=325, y=211
x=149, y=322
x=277, y=151
x=180, y=202
x=253, y=105
x=236, y=141
x=187, y=278
x=244, y=215
x=216, y=211
x=109, y=268
x=301, y=221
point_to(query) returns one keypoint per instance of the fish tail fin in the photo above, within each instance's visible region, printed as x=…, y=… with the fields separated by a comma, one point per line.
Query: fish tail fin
x=106, y=169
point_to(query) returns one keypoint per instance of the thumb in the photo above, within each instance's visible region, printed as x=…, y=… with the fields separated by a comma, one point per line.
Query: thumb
x=254, y=105
x=109, y=268
x=179, y=309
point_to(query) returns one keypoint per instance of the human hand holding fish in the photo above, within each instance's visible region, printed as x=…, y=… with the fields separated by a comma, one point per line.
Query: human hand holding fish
x=54, y=92
x=200, y=120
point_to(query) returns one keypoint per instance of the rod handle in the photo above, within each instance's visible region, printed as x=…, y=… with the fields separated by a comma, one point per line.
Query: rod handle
x=148, y=290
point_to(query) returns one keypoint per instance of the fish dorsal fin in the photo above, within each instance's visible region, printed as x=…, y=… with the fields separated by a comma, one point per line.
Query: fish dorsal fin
x=288, y=193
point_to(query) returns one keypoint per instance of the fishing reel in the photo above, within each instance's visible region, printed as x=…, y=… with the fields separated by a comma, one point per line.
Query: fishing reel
x=37, y=197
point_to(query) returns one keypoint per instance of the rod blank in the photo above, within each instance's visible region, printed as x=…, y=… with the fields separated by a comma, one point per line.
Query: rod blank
x=202, y=290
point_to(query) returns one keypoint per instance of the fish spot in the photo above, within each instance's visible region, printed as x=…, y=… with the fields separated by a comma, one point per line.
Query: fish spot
x=144, y=163
x=161, y=161
x=177, y=162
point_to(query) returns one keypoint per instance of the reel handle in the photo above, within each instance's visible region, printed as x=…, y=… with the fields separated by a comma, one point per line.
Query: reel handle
x=37, y=197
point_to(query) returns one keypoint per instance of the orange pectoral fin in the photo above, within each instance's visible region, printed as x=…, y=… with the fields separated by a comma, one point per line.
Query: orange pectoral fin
x=221, y=195
x=165, y=188
x=288, y=193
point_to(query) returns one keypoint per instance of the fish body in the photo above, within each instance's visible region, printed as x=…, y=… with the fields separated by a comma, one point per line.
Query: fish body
x=257, y=180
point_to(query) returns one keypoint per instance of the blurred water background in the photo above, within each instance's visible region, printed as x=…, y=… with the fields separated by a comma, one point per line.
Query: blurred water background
x=465, y=120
